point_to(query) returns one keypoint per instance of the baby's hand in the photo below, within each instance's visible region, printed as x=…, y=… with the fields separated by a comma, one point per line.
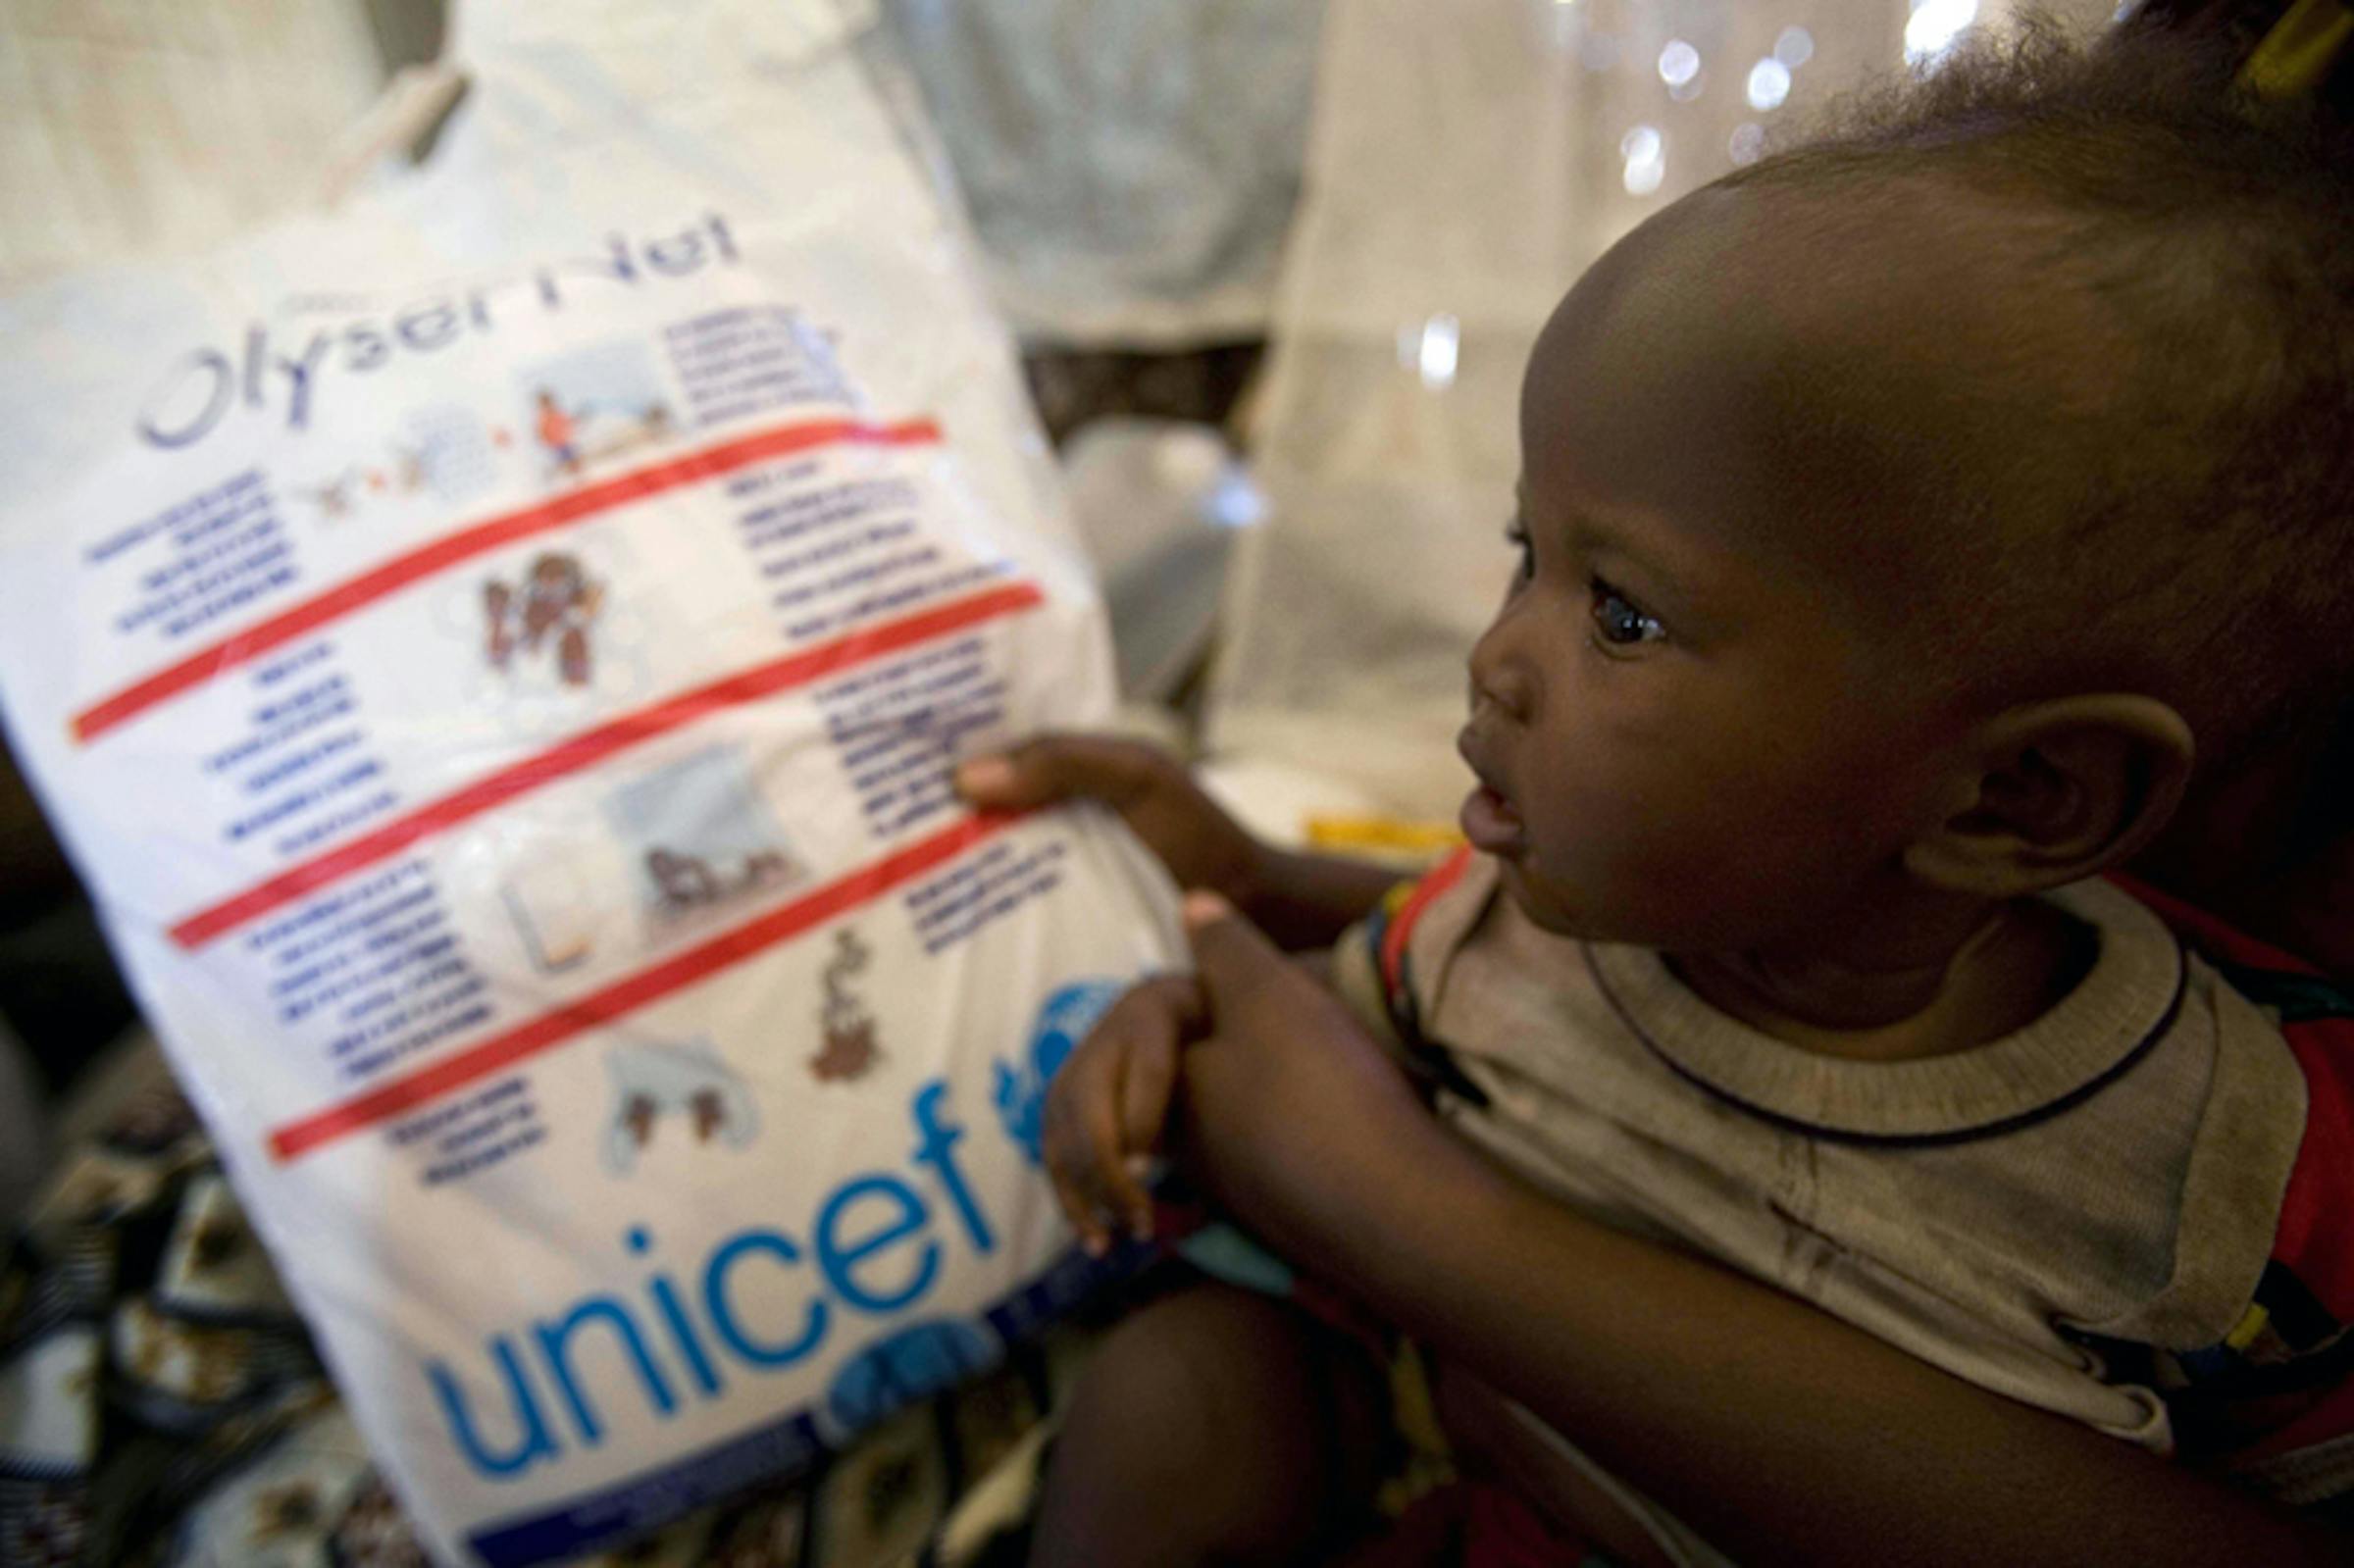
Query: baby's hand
x=1108, y=1103
x=1200, y=844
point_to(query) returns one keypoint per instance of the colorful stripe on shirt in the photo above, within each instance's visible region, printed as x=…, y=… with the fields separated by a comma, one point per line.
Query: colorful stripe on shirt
x=1387, y=933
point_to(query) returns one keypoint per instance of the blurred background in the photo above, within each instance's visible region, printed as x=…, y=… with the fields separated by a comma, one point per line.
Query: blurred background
x=1275, y=266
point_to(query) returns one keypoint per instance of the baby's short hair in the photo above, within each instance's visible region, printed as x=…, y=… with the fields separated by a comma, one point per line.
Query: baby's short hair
x=2213, y=503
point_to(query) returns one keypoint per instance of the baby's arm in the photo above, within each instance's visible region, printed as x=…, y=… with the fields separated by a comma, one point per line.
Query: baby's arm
x=1771, y=1427
x=1778, y=1432
x=1302, y=901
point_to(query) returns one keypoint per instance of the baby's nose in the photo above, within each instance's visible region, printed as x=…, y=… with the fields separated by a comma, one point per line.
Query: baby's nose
x=1499, y=682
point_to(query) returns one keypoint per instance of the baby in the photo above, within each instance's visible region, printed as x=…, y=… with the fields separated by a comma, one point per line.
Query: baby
x=1910, y=527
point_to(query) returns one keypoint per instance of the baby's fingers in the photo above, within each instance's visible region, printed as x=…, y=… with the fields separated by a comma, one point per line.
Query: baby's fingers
x=1088, y=1075
x=1086, y=1145
x=1148, y=1076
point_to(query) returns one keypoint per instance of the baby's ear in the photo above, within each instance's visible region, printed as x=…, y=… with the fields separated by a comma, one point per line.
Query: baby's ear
x=2063, y=790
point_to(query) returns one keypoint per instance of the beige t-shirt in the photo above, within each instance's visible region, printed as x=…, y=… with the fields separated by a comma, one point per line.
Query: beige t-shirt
x=2111, y=1173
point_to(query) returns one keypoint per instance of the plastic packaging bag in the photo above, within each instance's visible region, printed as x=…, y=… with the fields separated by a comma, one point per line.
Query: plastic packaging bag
x=496, y=654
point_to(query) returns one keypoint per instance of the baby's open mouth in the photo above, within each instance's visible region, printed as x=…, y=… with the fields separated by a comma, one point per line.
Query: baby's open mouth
x=1490, y=823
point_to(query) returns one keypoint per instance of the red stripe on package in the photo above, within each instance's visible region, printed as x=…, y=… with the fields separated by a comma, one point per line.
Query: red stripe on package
x=592, y=746
x=452, y=549
x=505, y=1049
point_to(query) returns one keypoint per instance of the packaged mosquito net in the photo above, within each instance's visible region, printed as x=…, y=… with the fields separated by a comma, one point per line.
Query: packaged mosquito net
x=497, y=655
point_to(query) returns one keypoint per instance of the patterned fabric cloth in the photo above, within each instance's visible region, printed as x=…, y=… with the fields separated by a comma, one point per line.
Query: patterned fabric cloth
x=161, y=1404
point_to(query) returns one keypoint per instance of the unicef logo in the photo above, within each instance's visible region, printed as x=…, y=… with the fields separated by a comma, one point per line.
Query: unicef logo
x=1063, y=1023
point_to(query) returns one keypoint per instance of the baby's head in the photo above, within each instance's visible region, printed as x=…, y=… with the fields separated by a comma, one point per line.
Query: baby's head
x=1922, y=514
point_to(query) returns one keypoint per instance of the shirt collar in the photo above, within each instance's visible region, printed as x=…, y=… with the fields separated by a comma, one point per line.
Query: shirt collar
x=2122, y=1006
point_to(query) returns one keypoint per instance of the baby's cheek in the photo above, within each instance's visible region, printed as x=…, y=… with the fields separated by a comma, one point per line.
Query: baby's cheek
x=1582, y=885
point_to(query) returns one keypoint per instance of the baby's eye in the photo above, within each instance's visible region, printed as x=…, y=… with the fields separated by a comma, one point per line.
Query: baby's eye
x=1619, y=620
